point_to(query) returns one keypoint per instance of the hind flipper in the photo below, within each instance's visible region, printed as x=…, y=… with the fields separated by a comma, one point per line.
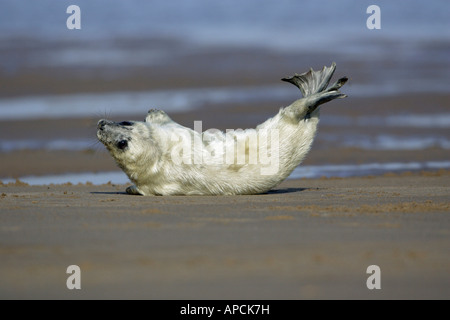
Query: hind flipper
x=312, y=81
x=313, y=85
x=338, y=84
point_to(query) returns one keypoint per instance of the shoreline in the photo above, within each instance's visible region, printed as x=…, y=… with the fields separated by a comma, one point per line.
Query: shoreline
x=46, y=163
x=80, y=151
x=301, y=172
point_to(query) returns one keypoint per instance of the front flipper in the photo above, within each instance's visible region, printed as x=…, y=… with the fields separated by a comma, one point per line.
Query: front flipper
x=157, y=116
x=134, y=191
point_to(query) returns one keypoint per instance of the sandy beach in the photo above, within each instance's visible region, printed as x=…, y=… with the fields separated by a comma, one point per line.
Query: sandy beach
x=375, y=189
x=307, y=239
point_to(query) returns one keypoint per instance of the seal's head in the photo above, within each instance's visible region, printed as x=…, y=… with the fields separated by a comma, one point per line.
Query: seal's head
x=128, y=142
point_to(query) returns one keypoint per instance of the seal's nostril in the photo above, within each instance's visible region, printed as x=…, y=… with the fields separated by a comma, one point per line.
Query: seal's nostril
x=101, y=124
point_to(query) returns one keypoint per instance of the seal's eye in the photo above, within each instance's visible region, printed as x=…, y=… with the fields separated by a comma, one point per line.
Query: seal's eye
x=126, y=123
x=122, y=144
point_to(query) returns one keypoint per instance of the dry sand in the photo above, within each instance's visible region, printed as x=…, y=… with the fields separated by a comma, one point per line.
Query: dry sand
x=308, y=239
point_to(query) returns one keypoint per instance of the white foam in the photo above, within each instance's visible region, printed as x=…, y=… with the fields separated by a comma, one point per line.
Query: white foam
x=118, y=177
x=420, y=120
x=120, y=103
x=363, y=169
x=430, y=120
x=388, y=142
x=38, y=144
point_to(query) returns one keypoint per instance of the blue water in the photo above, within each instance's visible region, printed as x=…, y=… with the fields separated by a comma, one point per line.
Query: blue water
x=264, y=22
x=295, y=26
x=412, y=44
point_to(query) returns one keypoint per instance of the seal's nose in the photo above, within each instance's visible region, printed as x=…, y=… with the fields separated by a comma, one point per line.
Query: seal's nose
x=101, y=124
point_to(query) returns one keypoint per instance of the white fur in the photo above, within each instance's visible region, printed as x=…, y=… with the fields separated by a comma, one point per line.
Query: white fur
x=162, y=157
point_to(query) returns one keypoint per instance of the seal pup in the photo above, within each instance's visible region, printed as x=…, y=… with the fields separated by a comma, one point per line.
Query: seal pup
x=162, y=157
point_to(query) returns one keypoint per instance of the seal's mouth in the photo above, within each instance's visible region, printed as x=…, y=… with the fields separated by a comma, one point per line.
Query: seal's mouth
x=105, y=132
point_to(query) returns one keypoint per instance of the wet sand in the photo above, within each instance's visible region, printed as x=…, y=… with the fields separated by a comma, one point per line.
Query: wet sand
x=307, y=239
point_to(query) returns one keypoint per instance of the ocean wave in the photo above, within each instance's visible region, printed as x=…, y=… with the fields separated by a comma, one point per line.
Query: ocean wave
x=385, y=141
x=51, y=145
x=120, y=103
x=118, y=177
x=430, y=120
x=377, y=142
x=364, y=169
x=233, y=22
x=177, y=100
